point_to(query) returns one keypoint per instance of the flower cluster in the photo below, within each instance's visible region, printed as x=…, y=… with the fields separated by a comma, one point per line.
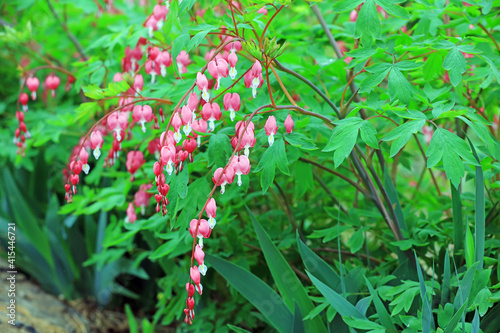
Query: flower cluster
x=32, y=83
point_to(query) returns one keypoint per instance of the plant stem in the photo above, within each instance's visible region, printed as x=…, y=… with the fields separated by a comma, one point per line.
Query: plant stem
x=68, y=32
x=309, y=83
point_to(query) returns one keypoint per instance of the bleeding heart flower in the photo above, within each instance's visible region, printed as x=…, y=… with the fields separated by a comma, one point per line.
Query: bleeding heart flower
x=289, y=124
x=271, y=129
x=202, y=84
x=142, y=114
x=33, y=83
x=211, y=211
x=52, y=82
x=131, y=216
x=232, y=104
x=23, y=99
x=211, y=112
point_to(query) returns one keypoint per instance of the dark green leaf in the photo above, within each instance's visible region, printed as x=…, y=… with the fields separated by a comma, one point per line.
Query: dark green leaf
x=269, y=303
x=287, y=282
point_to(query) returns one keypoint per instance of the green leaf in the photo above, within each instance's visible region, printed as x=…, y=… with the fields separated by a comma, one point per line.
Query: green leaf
x=356, y=241
x=458, y=224
x=469, y=246
x=455, y=64
x=445, y=293
x=343, y=139
x=237, y=329
x=433, y=93
x=274, y=156
x=399, y=86
x=491, y=321
x=402, y=134
x=374, y=79
x=300, y=140
x=302, y=173
x=197, y=39
x=345, y=5
x=368, y=134
x=179, y=43
x=493, y=67
x=449, y=147
x=427, y=319
x=298, y=322
x=368, y=24
x=408, y=65
x=475, y=323
x=219, y=150
x=287, y=282
x=393, y=197
x=132, y=322
x=393, y=9
x=185, y=5
x=440, y=108
x=455, y=319
x=338, y=302
x=383, y=314
x=318, y=267
x=269, y=303
x=479, y=211
x=433, y=66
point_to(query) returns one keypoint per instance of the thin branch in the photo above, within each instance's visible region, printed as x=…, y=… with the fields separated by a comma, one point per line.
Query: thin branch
x=68, y=32
x=347, y=253
x=489, y=35
x=289, y=212
x=430, y=170
x=327, y=190
x=333, y=172
x=309, y=83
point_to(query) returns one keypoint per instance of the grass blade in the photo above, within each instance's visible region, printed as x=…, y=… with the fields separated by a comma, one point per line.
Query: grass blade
x=450, y=328
x=338, y=302
x=383, y=314
x=318, y=267
x=263, y=297
x=427, y=319
x=287, y=282
x=445, y=291
x=458, y=224
x=491, y=321
x=479, y=212
x=393, y=196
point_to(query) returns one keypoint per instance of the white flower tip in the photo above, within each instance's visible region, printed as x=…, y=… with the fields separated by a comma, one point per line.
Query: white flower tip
x=233, y=73
x=86, y=168
x=200, y=289
x=271, y=139
x=177, y=136
x=97, y=153
x=232, y=115
x=212, y=222
x=203, y=269
x=205, y=95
